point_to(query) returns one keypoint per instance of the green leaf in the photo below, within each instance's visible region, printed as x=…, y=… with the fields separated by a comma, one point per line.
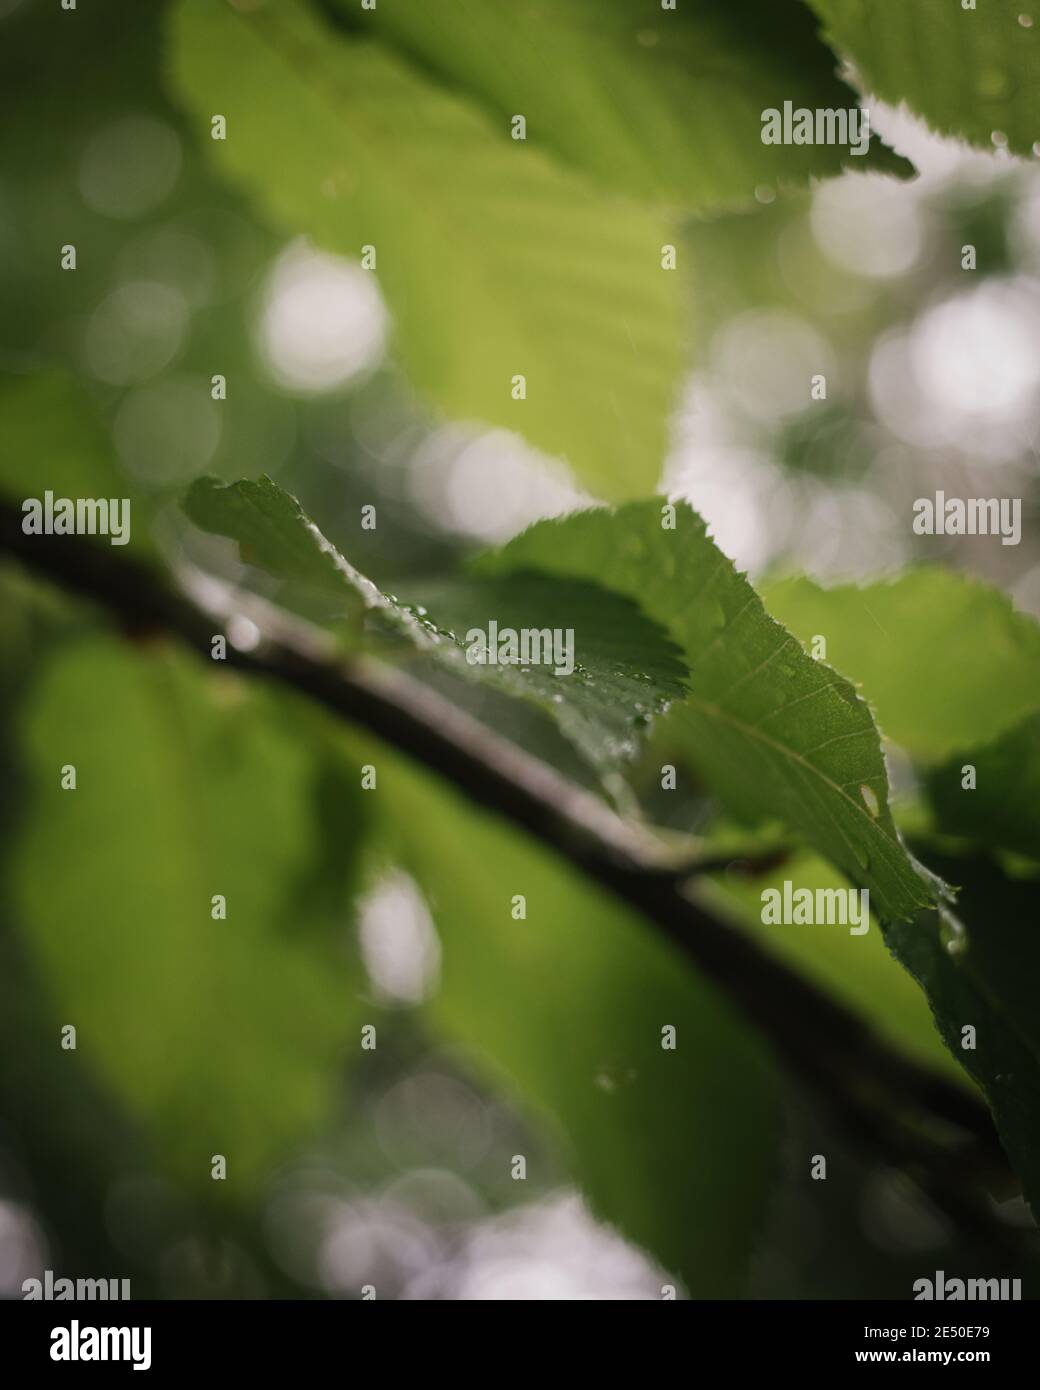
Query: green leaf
x=661, y=104
x=495, y=262
x=945, y=660
x=221, y=1036
x=626, y=669
x=968, y=72
x=275, y=534
x=774, y=733
x=602, y=688
x=860, y=971
x=740, y=674
x=566, y=1009
x=980, y=971
x=1002, y=810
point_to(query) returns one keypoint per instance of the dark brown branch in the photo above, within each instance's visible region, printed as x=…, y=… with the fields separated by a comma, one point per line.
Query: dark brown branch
x=914, y=1117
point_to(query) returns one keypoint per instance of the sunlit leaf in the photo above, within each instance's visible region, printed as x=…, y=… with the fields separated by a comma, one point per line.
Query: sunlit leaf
x=221, y=1036
x=943, y=659
x=496, y=263
x=967, y=71
x=662, y=103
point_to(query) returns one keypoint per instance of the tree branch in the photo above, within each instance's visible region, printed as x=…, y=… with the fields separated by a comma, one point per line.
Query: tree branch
x=930, y=1127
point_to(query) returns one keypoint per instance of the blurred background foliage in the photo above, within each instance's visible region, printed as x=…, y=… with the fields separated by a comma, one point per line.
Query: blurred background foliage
x=392, y=1167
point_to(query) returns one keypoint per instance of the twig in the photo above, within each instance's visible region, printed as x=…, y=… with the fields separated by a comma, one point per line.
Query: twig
x=912, y=1116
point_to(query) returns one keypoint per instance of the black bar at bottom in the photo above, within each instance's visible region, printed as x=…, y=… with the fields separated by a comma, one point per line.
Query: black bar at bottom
x=160, y=1339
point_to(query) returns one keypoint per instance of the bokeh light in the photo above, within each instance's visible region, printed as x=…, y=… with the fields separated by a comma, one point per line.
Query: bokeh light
x=323, y=321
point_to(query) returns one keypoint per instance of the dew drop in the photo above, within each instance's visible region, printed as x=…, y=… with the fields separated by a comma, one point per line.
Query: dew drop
x=1026, y=21
x=870, y=800
x=952, y=934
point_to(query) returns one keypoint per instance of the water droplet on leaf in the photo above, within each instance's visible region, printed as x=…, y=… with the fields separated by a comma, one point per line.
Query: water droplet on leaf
x=952, y=934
